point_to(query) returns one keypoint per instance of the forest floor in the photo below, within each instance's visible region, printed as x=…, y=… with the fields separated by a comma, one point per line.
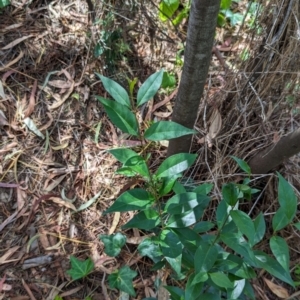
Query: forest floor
x=56, y=177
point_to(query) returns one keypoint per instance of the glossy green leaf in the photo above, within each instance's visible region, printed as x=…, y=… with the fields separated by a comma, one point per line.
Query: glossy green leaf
x=259, y=228
x=115, y=90
x=185, y=219
x=297, y=225
x=236, y=242
x=113, y=243
x=204, y=189
x=280, y=250
x=203, y=226
x=122, y=280
x=223, y=210
x=244, y=224
x=188, y=237
x=126, y=171
x=287, y=198
x=179, y=188
x=205, y=257
x=122, y=154
x=221, y=280
x=166, y=130
x=193, y=290
x=170, y=244
x=209, y=296
x=121, y=116
x=168, y=80
x=225, y=4
x=175, y=292
x=135, y=199
x=138, y=165
x=149, y=88
x=175, y=164
x=230, y=193
x=242, y=164
x=273, y=267
x=237, y=290
x=175, y=263
x=167, y=8
x=181, y=203
x=167, y=184
x=280, y=220
x=80, y=269
x=146, y=219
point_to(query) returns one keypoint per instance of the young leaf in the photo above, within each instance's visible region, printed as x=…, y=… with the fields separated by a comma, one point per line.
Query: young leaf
x=122, y=154
x=138, y=165
x=146, y=219
x=149, y=88
x=244, y=224
x=242, y=164
x=113, y=243
x=273, y=267
x=287, y=198
x=168, y=80
x=167, y=184
x=166, y=130
x=80, y=269
x=135, y=199
x=175, y=164
x=230, y=193
x=205, y=257
x=115, y=90
x=280, y=250
x=221, y=280
x=122, y=280
x=181, y=203
x=167, y=8
x=259, y=228
x=121, y=116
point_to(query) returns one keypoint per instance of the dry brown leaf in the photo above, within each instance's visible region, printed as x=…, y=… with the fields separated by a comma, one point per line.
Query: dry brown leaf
x=59, y=201
x=72, y=291
x=55, y=183
x=10, y=252
x=31, y=104
x=63, y=99
x=44, y=239
x=61, y=84
x=17, y=41
x=21, y=196
x=162, y=115
x=48, y=124
x=114, y=223
x=12, y=62
x=215, y=124
x=276, y=289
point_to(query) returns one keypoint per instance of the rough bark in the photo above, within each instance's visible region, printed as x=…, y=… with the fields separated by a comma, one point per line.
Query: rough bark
x=197, y=56
x=274, y=155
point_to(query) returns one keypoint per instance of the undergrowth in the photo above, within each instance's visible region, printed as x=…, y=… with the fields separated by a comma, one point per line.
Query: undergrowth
x=212, y=259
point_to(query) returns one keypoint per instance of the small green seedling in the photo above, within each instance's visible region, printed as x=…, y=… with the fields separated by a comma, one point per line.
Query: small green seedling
x=80, y=269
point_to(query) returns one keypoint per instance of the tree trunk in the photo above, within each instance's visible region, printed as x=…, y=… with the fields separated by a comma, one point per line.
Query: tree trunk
x=197, y=56
x=274, y=155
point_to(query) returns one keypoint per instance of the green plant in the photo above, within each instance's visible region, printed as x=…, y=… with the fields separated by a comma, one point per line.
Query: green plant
x=110, y=45
x=4, y=3
x=169, y=8
x=80, y=269
x=212, y=264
